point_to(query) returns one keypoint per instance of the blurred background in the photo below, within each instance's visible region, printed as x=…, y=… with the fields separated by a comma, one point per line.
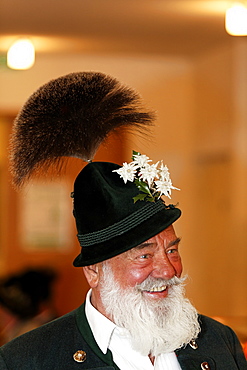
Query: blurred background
x=193, y=73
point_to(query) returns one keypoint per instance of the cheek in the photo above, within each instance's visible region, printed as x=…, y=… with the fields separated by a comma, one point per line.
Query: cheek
x=127, y=273
x=133, y=277
x=176, y=262
x=178, y=267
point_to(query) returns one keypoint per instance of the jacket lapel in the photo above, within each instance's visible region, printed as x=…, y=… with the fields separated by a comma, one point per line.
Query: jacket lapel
x=89, y=338
x=193, y=361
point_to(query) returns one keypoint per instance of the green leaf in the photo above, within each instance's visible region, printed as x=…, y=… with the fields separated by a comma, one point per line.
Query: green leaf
x=134, y=153
x=142, y=186
x=139, y=197
x=156, y=195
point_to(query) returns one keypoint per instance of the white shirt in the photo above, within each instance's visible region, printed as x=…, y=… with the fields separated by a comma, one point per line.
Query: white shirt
x=108, y=335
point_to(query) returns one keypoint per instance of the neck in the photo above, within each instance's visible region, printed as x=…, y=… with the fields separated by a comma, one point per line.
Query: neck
x=152, y=358
x=97, y=303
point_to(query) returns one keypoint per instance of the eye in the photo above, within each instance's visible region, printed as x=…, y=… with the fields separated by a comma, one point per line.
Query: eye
x=173, y=250
x=173, y=254
x=144, y=256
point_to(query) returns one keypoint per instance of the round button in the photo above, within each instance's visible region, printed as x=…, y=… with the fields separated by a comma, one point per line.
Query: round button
x=79, y=356
x=205, y=366
x=193, y=344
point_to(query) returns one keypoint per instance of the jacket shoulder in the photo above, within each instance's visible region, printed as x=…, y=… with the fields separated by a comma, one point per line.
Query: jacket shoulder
x=217, y=345
x=211, y=327
x=51, y=346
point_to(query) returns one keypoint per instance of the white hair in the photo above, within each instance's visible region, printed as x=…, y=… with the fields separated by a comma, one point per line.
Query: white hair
x=153, y=327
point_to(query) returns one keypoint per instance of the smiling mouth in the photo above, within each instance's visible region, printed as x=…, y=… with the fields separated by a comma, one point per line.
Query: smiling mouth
x=157, y=289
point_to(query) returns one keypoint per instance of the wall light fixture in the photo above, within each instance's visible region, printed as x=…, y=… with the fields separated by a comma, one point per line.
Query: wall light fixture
x=21, y=55
x=236, y=20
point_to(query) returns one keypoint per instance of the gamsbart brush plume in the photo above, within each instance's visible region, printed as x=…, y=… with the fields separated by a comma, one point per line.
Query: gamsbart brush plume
x=70, y=117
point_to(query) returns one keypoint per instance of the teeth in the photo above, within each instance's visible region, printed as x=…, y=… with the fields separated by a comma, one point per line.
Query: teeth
x=158, y=289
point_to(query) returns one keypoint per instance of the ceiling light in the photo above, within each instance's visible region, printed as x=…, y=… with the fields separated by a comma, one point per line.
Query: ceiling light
x=236, y=20
x=21, y=55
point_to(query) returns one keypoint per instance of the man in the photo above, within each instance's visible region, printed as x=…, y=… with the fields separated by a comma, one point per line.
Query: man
x=135, y=315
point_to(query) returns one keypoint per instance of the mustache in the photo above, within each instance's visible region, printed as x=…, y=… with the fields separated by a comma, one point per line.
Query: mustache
x=151, y=283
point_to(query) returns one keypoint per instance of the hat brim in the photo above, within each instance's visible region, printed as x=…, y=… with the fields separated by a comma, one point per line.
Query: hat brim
x=123, y=242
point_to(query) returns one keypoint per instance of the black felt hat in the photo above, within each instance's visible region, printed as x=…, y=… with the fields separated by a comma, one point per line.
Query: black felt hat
x=108, y=221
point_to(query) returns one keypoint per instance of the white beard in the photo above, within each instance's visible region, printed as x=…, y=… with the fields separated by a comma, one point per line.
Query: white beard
x=154, y=327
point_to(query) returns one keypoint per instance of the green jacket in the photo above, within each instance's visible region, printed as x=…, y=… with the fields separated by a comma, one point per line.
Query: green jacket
x=52, y=346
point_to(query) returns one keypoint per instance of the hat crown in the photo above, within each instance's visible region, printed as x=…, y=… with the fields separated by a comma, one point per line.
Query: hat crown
x=99, y=189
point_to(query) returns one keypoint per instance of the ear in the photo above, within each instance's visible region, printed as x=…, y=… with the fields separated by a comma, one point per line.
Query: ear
x=91, y=273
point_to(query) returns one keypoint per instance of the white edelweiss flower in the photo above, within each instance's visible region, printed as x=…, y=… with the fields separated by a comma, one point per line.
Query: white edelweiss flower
x=164, y=187
x=149, y=173
x=127, y=172
x=164, y=173
x=141, y=160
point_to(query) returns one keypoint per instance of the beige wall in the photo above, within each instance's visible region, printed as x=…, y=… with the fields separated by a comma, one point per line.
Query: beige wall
x=220, y=167
x=201, y=135
x=3, y=193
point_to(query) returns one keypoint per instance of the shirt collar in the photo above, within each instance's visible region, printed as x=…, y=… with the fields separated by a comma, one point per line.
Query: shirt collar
x=102, y=328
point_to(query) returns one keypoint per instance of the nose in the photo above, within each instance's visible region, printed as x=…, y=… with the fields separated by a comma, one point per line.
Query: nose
x=163, y=268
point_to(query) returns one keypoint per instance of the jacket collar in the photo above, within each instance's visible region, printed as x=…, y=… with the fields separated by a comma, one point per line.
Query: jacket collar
x=87, y=334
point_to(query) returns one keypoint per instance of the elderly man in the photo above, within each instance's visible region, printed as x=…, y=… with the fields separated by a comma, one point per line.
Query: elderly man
x=135, y=315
